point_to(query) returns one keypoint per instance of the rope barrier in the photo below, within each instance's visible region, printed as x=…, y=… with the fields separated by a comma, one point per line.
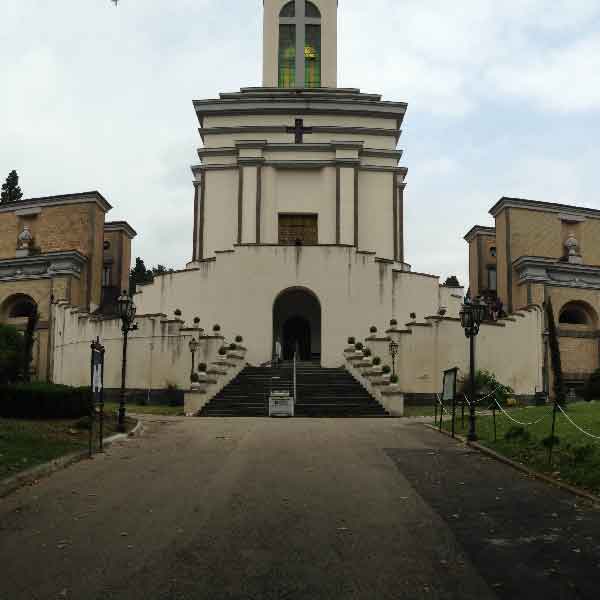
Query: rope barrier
x=519, y=422
x=591, y=435
x=441, y=404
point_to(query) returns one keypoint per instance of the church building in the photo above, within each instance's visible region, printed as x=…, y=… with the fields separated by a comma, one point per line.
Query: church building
x=299, y=204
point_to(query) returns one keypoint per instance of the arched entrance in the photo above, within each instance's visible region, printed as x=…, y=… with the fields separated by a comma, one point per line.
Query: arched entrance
x=297, y=323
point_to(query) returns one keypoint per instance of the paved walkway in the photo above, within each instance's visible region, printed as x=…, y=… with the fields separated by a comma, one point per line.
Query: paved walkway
x=263, y=509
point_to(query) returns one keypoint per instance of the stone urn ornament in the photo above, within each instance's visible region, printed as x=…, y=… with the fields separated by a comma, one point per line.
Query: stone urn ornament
x=572, y=246
x=25, y=242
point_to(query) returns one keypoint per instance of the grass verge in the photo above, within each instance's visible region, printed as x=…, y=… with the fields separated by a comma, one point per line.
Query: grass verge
x=25, y=443
x=576, y=457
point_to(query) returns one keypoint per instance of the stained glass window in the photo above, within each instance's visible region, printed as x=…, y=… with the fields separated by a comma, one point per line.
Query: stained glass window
x=287, y=56
x=312, y=56
x=289, y=10
x=312, y=11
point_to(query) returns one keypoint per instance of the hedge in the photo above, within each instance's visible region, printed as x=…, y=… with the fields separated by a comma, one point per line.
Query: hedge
x=43, y=401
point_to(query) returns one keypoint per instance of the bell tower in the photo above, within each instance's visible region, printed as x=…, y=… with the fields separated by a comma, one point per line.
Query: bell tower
x=300, y=43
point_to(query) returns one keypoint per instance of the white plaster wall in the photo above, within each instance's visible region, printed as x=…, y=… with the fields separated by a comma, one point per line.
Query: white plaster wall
x=220, y=211
x=311, y=192
x=239, y=288
x=375, y=213
x=249, y=205
x=414, y=293
x=347, y=206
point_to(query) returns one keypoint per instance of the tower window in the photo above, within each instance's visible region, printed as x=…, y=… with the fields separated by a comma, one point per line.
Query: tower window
x=287, y=56
x=299, y=46
x=312, y=12
x=289, y=10
x=312, y=56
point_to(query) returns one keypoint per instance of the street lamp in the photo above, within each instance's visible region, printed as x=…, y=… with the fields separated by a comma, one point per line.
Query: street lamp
x=194, y=344
x=126, y=311
x=471, y=315
x=393, y=353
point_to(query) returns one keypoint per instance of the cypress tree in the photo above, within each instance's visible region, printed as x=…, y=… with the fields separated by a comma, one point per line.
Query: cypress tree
x=11, y=192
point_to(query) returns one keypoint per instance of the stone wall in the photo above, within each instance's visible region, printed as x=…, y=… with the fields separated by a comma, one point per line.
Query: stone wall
x=158, y=352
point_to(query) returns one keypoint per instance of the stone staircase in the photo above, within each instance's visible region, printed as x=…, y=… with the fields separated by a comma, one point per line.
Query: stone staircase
x=321, y=393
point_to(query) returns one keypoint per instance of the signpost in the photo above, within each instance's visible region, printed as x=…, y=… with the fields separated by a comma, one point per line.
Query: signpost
x=449, y=393
x=97, y=399
x=281, y=402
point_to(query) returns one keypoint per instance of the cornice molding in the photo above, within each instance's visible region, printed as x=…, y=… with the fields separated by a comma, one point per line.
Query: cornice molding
x=42, y=266
x=479, y=230
x=563, y=210
x=61, y=200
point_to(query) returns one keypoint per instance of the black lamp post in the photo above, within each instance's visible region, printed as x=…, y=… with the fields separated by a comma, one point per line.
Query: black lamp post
x=472, y=314
x=194, y=344
x=393, y=353
x=126, y=311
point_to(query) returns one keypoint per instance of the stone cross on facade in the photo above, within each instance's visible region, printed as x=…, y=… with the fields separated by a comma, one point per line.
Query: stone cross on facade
x=299, y=130
x=300, y=20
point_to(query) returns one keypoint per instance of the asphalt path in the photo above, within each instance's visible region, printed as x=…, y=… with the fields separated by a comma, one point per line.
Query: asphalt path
x=226, y=509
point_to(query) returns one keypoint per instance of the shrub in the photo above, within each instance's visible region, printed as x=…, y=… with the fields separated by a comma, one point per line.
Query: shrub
x=195, y=378
x=393, y=323
x=222, y=351
x=239, y=339
x=196, y=320
x=485, y=383
x=11, y=353
x=373, y=329
x=351, y=341
x=367, y=352
x=591, y=391
x=202, y=367
x=516, y=432
x=359, y=346
x=377, y=361
x=43, y=401
x=394, y=379
x=232, y=346
x=583, y=452
x=550, y=441
x=386, y=369
x=216, y=328
x=177, y=312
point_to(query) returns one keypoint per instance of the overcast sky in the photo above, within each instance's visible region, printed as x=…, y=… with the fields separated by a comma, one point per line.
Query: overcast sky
x=504, y=99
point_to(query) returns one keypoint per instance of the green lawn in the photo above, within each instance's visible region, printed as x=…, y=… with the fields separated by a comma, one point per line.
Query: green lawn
x=418, y=411
x=25, y=444
x=113, y=407
x=576, y=457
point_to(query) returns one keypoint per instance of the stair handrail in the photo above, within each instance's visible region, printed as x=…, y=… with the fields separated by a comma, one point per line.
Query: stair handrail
x=294, y=378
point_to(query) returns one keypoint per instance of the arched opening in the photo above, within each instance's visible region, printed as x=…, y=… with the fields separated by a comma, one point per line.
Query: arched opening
x=19, y=306
x=578, y=313
x=297, y=324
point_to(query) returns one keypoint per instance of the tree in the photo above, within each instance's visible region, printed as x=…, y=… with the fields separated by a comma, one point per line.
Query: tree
x=139, y=275
x=11, y=353
x=11, y=192
x=452, y=281
x=559, y=385
x=161, y=270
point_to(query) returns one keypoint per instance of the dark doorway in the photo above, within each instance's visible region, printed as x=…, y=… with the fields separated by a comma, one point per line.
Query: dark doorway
x=297, y=321
x=296, y=333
